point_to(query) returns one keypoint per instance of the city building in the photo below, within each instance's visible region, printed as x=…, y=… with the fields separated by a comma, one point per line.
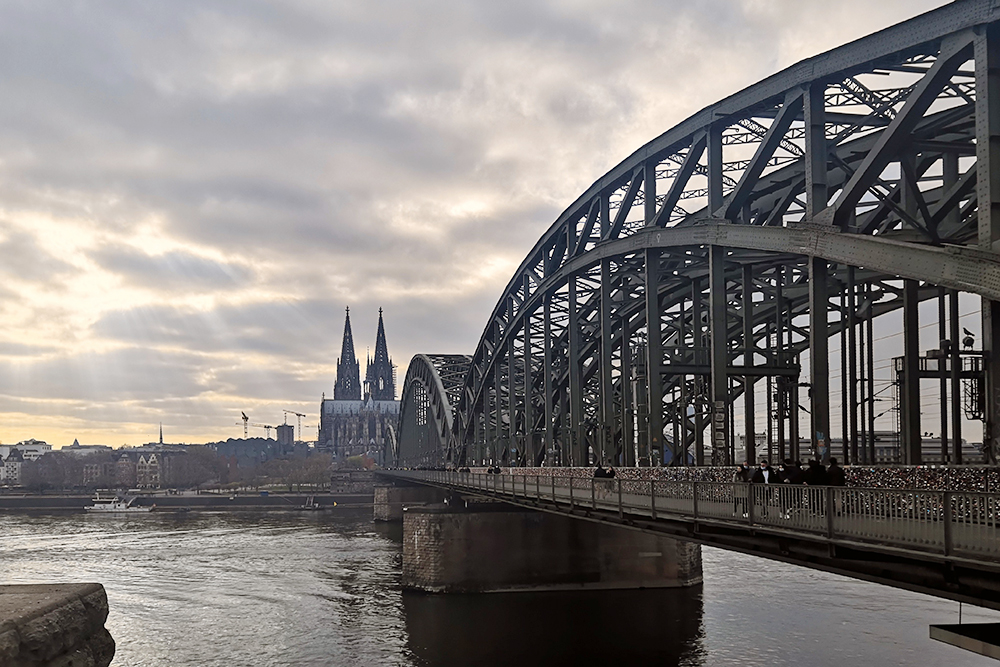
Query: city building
x=76, y=449
x=361, y=420
x=286, y=435
x=125, y=471
x=147, y=471
x=30, y=450
x=104, y=472
x=12, y=464
x=247, y=453
x=150, y=466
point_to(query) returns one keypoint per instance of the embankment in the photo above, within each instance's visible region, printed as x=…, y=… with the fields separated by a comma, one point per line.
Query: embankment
x=203, y=501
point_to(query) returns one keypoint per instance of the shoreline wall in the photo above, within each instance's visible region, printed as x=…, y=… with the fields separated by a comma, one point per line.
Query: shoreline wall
x=201, y=501
x=54, y=625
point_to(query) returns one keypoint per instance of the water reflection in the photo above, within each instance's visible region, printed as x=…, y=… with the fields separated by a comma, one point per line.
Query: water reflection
x=581, y=627
x=319, y=589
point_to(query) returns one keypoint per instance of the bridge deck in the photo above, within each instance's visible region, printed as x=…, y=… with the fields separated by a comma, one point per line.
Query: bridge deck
x=940, y=542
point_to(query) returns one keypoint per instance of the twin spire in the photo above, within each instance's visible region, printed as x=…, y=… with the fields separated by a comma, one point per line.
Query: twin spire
x=379, y=381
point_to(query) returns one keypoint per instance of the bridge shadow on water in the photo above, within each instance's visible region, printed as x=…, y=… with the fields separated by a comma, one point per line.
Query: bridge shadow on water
x=557, y=628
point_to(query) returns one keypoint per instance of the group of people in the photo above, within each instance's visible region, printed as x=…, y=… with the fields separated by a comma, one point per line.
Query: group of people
x=789, y=472
x=792, y=472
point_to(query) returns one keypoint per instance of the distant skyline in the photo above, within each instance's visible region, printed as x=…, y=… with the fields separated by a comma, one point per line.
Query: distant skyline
x=192, y=192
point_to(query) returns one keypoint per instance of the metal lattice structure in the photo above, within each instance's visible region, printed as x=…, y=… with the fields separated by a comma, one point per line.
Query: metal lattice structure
x=730, y=249
x=432, y=387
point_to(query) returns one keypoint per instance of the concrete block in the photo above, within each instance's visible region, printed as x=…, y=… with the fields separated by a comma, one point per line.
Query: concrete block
x=54, y=625
x=494, y=547
x=391, y=499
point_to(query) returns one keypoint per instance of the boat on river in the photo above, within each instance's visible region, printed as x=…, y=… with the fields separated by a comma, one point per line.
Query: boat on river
x=311, y=504
x=115, y=503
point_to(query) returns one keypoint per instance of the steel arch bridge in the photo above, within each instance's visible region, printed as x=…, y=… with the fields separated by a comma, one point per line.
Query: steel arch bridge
x=431, y=389
x=728, y=251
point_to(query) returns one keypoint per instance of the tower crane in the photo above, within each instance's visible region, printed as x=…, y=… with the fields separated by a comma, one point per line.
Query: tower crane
x=297, y=414
x=245, y=420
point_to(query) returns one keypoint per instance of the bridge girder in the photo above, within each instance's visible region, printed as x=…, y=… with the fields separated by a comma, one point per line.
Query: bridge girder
x=861, y=169
x=430, y=390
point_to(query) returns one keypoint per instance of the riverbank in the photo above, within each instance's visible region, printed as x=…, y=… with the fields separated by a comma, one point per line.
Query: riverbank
x=193, y=502
x=310, y=589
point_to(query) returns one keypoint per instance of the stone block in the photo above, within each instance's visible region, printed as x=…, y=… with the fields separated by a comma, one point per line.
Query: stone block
x=390, y=500
x=494, y=547
x=55, y=625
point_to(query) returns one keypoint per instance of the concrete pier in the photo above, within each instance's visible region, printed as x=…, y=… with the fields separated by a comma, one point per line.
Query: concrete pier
x=390, y=499
x=496, y=547
x=54, y=625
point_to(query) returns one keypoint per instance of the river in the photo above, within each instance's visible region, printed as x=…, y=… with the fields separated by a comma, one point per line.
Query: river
x=231, y=590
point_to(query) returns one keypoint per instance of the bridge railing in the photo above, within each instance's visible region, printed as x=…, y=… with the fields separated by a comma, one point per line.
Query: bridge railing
x=948, y=523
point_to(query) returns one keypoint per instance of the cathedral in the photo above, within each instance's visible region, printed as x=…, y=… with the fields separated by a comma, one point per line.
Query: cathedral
x=361, y=419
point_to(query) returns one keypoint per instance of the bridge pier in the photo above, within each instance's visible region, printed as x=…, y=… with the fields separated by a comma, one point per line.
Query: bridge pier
x=391, y=498
x=488, y=547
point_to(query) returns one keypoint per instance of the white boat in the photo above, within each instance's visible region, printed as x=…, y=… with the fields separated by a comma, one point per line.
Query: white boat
x=115, y=503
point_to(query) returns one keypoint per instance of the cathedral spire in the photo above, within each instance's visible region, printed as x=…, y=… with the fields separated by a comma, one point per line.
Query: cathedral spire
x=379, y=375
x=348, y=384
x=381, y=349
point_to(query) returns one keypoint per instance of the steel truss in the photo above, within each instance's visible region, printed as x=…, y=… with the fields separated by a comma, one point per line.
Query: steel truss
x=432, y=387
x=726, y=250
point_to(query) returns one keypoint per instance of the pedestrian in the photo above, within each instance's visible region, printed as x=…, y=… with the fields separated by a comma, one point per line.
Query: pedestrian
x=836, y=474
x=793, y=472
x=742, y=476
x=764, y=474
x=815, y=475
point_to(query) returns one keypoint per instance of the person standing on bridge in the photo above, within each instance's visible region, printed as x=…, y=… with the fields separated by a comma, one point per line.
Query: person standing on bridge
x=764, y=474
x=742, y=476
x=835, y=474
x=816, y=474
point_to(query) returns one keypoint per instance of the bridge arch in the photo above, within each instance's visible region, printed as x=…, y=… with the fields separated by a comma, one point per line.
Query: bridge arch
x=800, y=208
x=430, y=389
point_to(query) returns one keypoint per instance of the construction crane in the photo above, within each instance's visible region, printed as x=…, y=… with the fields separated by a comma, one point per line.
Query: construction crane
x=297, y=414
x=267, y=429
x=245, y=420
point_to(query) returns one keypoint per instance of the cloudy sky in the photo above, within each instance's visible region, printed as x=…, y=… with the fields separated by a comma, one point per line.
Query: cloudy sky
x=192, y=192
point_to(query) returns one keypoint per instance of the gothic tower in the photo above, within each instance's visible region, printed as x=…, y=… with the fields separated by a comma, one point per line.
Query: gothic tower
x=348, y=384
x=378, y=375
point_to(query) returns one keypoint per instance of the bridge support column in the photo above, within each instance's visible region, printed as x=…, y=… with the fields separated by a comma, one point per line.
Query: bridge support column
x=718, y=340
x=910, y=422
x=497, y=547
x=654, y=359
x=819, y=358
x=987, y=56
x=576, y=446
x=750, y=429
x=390, y=500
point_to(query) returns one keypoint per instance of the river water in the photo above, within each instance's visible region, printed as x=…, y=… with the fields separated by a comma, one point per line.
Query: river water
x=228, y=590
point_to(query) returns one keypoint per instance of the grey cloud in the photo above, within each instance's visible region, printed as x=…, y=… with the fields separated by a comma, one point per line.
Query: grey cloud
x=306, y=140
x=22, y=257
x=283, y=329
x=9, y=349
x=170, y=271
x=128, y=374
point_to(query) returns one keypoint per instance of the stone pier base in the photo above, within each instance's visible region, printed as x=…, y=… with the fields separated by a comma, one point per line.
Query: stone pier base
x=390, y=500
x=495, y=547
x=54, y=625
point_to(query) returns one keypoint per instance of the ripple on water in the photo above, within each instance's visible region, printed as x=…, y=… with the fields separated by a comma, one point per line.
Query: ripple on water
x=219, y=589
